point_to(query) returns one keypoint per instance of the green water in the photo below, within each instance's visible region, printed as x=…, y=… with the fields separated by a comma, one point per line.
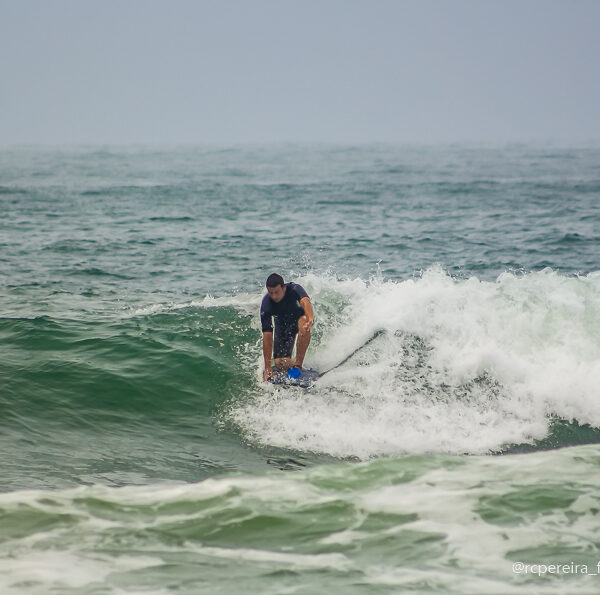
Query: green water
x=457, y=300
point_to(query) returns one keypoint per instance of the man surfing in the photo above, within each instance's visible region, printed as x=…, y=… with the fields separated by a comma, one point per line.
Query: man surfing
x=289, y=305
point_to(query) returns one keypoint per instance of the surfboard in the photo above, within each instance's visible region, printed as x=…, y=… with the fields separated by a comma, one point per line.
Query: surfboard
x=306, y=378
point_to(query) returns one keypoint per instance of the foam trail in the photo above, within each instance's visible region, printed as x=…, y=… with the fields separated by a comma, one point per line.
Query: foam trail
x=244, y=302
x=461, y=366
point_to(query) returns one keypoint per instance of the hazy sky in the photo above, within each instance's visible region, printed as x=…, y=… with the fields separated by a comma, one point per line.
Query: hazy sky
x=221, y=71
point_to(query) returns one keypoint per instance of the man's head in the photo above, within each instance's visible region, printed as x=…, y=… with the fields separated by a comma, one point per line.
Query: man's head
x=275, y=287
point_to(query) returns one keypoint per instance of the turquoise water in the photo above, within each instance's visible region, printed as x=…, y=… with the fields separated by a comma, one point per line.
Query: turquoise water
x=459, y=286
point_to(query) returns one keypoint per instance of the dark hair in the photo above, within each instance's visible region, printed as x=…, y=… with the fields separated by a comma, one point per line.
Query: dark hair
x=273, y=280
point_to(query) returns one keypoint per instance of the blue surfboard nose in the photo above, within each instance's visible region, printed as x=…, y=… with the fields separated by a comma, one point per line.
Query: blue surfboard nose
x=294, y=373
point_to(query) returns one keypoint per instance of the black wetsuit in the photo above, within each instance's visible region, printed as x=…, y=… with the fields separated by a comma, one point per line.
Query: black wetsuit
x=286, y=314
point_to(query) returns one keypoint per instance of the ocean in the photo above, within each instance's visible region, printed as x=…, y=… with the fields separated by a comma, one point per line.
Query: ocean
x=452, y=445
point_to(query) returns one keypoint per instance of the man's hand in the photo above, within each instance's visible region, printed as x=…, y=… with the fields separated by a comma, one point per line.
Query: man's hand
x=305, y=323
x=267, y=374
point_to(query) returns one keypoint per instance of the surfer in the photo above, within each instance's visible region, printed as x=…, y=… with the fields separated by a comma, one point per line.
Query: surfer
x=289, y=305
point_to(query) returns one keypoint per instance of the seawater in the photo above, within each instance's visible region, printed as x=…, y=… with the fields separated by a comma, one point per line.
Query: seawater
x=452, y=445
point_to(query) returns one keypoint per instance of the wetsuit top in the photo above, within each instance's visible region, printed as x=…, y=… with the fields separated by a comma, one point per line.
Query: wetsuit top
x=286, y=312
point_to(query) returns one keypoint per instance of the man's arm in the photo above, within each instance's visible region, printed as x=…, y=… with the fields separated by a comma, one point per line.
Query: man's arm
x=308, y=312
x=268, y=353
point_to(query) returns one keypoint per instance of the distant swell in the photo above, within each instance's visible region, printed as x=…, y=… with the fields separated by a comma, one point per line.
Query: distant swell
x=169, y=219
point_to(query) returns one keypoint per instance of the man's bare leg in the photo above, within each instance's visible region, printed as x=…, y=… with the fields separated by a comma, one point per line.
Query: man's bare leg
x=303, y=340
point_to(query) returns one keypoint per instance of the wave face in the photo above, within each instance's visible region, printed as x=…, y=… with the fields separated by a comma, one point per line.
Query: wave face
x=120, y=401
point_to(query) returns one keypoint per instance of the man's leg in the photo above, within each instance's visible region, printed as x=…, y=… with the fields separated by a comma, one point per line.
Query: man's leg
x=303, y=341
x=283, y=347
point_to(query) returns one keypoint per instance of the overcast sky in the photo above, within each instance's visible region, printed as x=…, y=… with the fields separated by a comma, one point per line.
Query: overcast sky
x=224, y=71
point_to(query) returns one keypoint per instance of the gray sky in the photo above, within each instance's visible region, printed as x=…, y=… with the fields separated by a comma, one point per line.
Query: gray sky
x=147, y=71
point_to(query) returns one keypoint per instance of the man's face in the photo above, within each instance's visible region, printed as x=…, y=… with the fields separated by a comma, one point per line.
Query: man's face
x=276, y=293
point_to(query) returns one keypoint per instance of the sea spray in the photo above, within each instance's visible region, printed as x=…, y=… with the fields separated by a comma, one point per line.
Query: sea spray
x=446, y=365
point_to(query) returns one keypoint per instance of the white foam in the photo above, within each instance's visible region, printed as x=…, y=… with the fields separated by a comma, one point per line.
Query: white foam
x=443, y=500
x=462, y=366
x=58, y=568
x=333, y=561
x=243, y=301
